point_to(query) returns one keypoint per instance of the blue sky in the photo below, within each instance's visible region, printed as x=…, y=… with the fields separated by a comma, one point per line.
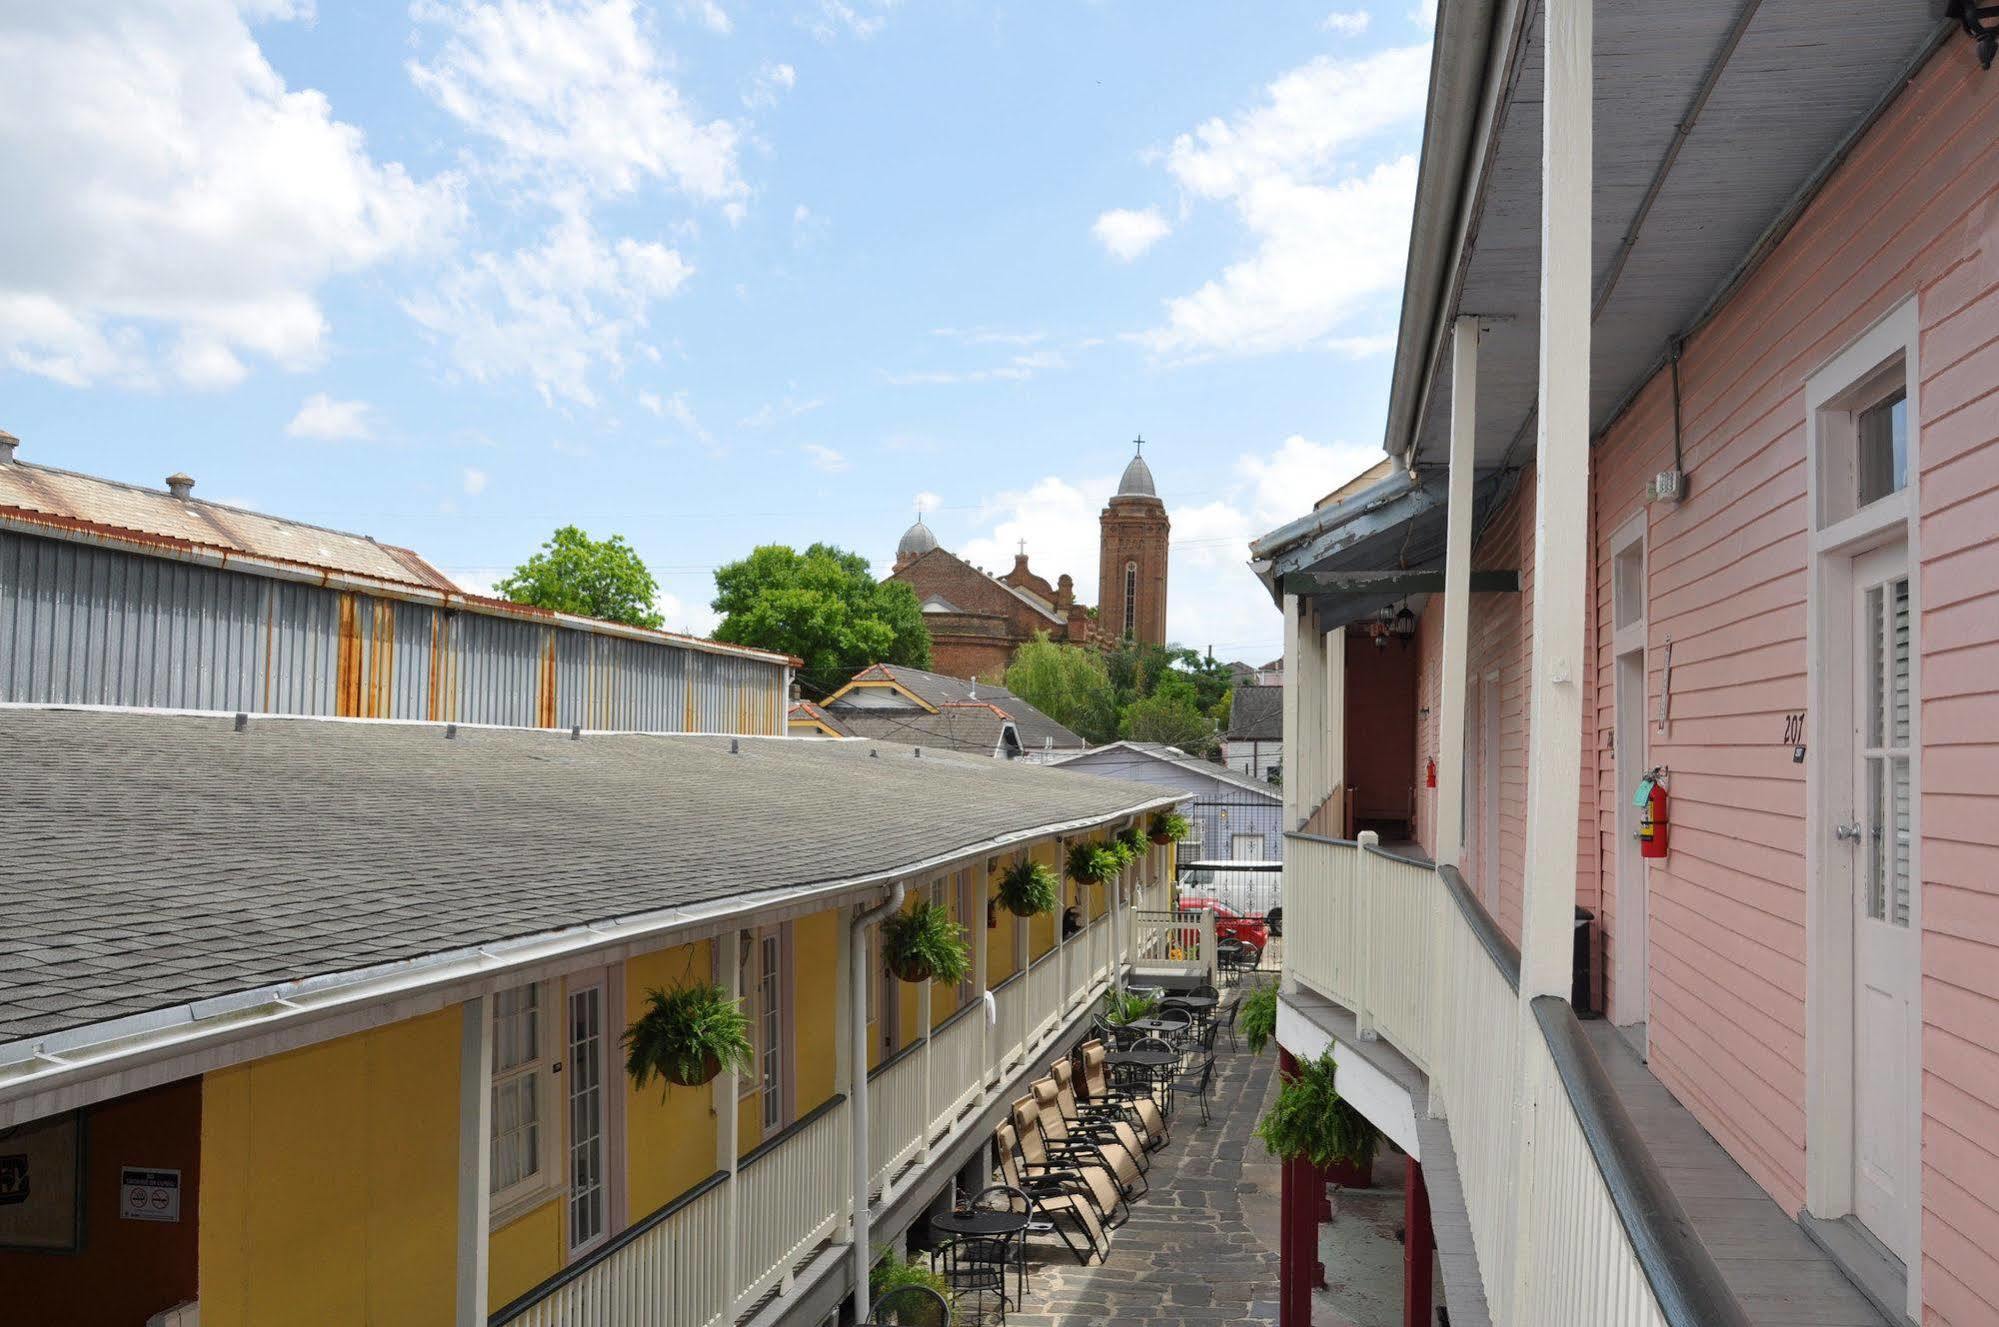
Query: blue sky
x=711, y=274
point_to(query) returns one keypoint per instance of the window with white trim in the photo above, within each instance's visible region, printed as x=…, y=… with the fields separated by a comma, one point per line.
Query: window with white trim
x=769, y=1005
x=1863, y=442
x=522, y=1124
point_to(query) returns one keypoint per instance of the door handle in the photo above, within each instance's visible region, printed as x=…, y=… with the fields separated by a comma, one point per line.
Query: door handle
x=1848, y=833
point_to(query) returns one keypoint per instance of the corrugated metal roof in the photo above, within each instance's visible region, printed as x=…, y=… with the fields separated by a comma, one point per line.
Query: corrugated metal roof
x=108, y=504
x=157, y=859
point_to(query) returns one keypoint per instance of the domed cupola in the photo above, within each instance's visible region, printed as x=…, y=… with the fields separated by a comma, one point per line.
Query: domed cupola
x=1137, y=481
x=916, y=541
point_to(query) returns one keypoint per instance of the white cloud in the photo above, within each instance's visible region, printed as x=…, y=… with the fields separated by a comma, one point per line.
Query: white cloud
x=832, y=18
x=1363, y=347
x=825, y=459
x=680, y=411
x=180, y=218
x=478, y=580
x=1282, y=485
x=709, y=15
x=773, y=412
x=692, y=619
x=1018, y=368
x=771, y=81
x=928, y=501
x=320, y=416
x=550, y=314
x=1330, y=237
x=1127, y=234
x=1346, y=22
x=1058, y=519
x=475, y=482
x=989, y=336
x=574, y=95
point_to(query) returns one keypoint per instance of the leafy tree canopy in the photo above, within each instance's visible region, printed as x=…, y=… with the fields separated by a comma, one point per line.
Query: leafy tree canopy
x=574, y=573
x=1069, y=684
x=823, y=605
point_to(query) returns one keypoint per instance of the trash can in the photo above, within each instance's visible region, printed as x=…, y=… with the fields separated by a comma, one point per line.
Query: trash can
x=1582, y=983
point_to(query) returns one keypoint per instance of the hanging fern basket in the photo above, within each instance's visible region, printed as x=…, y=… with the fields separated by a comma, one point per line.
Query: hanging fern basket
x=1029, y=888
x=687, y=1035
x=686, y=1073
x=925, y=943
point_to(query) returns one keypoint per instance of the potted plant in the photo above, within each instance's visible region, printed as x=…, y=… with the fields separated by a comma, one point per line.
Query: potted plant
x=924, y=943
x=1028, y=888
x=1120, y=1009
x=1168, y=827
x=687, y=1035
x=1257, y=1018
x=893, y=1273
x=1310, y=1121
x=1093, y=863
x=1130, y=844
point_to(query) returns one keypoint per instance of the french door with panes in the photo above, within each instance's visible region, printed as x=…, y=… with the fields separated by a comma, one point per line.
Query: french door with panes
x=1886, y=944
x=589, y=1114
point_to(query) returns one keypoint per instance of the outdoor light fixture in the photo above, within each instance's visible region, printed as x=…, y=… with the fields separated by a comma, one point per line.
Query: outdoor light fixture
x=1981, y=24
x=1405, y=625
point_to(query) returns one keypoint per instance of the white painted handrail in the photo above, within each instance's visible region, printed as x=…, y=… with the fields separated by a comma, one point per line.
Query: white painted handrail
x=790, y=1198
x=662, y=1270
x=957, y=1068
x=895, y=1116
x=1044, y=994
x=1012, y=1001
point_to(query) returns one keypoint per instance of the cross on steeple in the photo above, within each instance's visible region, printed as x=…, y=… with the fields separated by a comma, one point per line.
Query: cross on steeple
x=1023, y=548
x=1139, y=443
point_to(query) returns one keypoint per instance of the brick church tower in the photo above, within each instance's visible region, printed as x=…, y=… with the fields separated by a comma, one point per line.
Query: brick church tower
x=1131, y=590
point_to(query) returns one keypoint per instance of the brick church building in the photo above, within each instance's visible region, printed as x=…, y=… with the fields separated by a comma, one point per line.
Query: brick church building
x=977, y=620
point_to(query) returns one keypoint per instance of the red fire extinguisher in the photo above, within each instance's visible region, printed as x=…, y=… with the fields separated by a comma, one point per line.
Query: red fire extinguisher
x=1430, y=773
x=1657, y=817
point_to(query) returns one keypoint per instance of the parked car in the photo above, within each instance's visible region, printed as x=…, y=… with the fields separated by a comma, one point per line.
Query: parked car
x=1249, y=932
x=1252, y=889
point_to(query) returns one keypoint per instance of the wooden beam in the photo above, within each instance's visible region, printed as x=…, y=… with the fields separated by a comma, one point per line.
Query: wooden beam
x=1393, y=583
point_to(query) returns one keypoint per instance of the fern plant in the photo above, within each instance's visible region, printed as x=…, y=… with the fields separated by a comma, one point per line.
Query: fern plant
x=687, y=1035
x=1128, y=1007
x=1028, y=888
x=893, y=1273
x=1093, y=863
x=1168, y=827
x=1310, y=1120
x=1258, y=1017
x=924, y=943
x=1130, y=845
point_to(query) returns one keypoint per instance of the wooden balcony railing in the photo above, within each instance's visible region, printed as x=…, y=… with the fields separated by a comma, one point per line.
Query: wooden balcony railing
x=1409, y=949
x=710, y=1254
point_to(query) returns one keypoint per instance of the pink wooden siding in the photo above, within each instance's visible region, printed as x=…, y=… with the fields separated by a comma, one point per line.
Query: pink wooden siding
x=1915, y=209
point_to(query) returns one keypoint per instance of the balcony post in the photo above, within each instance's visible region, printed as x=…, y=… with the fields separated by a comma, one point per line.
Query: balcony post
x=1367, y=874
x=728, y=1111
x=1561, y=562
x=982, y=979
x=1333, y=726
x=1457, y=597
x=1295, y=737
x=475, y=1157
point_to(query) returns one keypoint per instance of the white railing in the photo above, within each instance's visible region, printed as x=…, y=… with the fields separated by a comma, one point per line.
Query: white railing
x=1182, y=940
x=1006, y=1040
x=895, y=1115
x=957, y=1067
x=661, y=1270
x=1422, y=966
x=789, y=1198
x=1044, y=994
x=730, y=1241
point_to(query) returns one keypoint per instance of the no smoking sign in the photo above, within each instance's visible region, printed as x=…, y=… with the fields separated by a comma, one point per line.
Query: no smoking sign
x=148, y=1195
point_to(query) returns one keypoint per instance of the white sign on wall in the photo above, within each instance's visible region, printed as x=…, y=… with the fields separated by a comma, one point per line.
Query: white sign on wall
x=148, y=1195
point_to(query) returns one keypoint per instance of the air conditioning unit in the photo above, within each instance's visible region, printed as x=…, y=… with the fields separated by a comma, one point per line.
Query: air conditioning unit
x=1668, y=486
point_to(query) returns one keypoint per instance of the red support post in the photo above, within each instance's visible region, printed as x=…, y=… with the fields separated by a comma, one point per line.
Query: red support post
x=1419, y=1247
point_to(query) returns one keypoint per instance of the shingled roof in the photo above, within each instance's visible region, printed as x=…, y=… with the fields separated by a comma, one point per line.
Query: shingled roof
x=936, y=690
x=1256, y=714
x=160, y=859
x=976, y=727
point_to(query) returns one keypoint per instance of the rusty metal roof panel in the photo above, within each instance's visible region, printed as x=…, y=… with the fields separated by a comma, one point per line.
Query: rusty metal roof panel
x=68, y=496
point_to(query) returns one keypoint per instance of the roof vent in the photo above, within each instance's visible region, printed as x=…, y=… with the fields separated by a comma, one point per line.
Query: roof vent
x=180, y=484
x=8, y=442
x=242, y=722
x=451, y=730
x=576, y=732
x=735, y=749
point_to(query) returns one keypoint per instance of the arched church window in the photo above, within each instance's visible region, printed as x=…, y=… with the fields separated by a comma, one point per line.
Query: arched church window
x=1130, y=599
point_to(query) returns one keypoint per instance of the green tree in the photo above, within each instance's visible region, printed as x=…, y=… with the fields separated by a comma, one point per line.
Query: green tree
x=573, y=573
x=1171, y=714
x=823, y=605
x=1068, y=683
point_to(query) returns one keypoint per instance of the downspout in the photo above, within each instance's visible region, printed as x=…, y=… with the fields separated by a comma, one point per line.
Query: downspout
x=857, y=1080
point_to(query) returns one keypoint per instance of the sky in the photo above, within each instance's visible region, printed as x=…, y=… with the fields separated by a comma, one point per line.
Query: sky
x=711, y=274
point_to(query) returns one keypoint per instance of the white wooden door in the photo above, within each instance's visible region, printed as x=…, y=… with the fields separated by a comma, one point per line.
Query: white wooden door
x=589, y=1115
x=1880, y=837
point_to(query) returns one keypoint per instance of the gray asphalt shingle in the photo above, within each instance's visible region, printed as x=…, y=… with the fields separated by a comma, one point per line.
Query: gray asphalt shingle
x=156, y=859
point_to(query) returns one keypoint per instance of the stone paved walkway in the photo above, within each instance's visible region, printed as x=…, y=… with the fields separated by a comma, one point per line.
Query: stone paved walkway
x=1202, y=1246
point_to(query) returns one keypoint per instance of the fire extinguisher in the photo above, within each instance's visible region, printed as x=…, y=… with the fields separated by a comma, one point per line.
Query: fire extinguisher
x=1430, y=773
x=1657, y=817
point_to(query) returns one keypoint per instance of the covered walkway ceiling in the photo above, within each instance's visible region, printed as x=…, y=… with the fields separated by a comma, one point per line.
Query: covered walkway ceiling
x=1715, y=120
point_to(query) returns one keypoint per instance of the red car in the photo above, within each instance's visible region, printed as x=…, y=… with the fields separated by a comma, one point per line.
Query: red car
x=1232, y=925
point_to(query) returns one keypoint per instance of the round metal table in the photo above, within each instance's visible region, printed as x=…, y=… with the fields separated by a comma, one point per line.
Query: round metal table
x=1194, y=1003
x=980, y=1225
x=1152, y=1060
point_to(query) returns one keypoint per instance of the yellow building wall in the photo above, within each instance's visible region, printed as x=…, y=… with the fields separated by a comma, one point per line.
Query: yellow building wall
x=815, y=1006
x=999, y=938
x=1041, y=926
x=669, y=1132
x=908, y=997
x=330, y=1182
x=524, y=1252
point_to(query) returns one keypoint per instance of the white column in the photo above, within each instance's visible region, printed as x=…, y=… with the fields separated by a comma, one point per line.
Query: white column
x=475, y=1158
x=1561, y=560
x=1334, y=726
x=1561, y=509
x=728, y=1112
x=1457, y=597
x=1294, y=735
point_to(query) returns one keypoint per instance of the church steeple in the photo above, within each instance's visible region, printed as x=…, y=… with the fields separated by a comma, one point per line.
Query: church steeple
x=1133, y=537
